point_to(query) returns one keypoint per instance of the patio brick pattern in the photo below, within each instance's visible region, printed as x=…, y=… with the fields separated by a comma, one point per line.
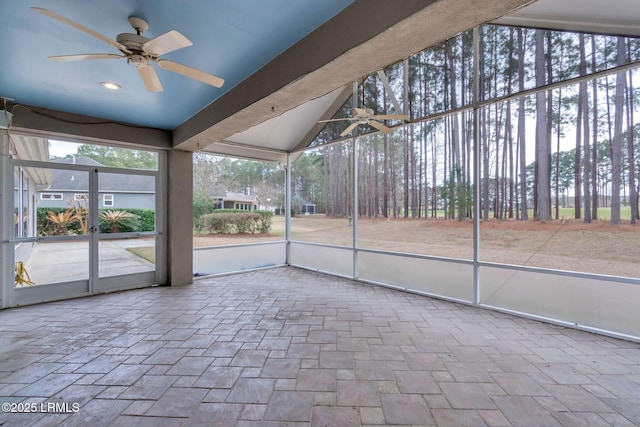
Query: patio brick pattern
x=289, y=347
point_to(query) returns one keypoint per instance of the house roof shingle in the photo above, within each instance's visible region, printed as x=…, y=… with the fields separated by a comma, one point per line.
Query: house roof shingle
x=73, y=180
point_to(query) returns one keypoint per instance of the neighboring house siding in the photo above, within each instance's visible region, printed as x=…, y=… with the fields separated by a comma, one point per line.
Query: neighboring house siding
x=129, y=200
x=120, y=200
x=126, y=190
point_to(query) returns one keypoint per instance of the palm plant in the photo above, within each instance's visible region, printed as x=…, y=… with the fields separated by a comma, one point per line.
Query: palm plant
x=79, y=211
x=61, y=220
x=115, y=221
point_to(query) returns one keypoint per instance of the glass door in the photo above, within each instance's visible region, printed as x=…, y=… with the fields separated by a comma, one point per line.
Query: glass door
x=52, y=234
x=81, y=230
x=126, y=201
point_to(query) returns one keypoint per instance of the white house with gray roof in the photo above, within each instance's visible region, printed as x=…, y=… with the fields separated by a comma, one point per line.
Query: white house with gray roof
x=231, y=200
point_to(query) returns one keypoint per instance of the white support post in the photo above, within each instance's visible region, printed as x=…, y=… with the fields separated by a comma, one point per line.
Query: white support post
x=354, y=211
x=161, y=207
x=180, y=218
x=354, y=223
x=6, y=225
x=94, y=231
x=287, y=209
x=476, y=165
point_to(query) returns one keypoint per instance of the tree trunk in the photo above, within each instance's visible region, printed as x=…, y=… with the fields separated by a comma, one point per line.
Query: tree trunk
x=496, y=183
x=616, y=148
x=394, y=177
x=557, y=165
x=485, y=164
x=609, y=121
x=385, y=177
x=406, y=173
x=434, y=177
x=455, y=132
x=376, y=175
x=549, y=80
x=577, y=177
x=633, y=194
x=594, y=151
x=509, y=141
x=522, y=143
x=543, y=147
x=584, y=99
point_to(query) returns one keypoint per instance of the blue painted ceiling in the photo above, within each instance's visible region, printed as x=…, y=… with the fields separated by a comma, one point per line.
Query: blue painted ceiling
x=232, y=39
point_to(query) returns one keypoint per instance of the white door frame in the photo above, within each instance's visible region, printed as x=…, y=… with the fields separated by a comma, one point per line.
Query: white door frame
x=10, y=296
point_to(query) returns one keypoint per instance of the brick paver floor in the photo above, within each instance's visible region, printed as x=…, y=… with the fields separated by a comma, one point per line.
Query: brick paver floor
x=288, y=347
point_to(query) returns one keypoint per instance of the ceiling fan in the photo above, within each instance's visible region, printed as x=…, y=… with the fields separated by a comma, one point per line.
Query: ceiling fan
x=139, y=51
x=365, y=116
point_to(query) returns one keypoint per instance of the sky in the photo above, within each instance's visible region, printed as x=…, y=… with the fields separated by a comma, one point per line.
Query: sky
x=62, y=148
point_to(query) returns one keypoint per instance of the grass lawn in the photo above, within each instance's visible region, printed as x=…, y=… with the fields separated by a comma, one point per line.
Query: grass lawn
x=603, y=213
x=569, y=244
x=146, y=252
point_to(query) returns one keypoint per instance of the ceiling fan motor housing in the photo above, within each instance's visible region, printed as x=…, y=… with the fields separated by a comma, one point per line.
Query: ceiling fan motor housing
x=133, y=42
x=363, y=118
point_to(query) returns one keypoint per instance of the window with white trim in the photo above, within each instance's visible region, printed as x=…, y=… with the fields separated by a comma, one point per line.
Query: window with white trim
x=50, y=196
x=80, y=196
x=107, y=200
x=244, y=206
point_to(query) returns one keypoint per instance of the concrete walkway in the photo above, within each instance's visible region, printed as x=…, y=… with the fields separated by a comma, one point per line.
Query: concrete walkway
x=56, y=262
x=288, y=347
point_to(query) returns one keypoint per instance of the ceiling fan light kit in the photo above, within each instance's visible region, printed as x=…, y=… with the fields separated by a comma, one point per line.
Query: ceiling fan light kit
x=139, y=51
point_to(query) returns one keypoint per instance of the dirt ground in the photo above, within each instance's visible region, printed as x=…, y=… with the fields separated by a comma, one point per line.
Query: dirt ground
x=565, y=245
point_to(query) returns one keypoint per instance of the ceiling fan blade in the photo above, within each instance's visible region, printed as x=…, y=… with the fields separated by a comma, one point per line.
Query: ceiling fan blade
x=191, y=72
x=379, y=126
x=81, y=27
x=392, y=117
x=82, y=57
x=165, y=43
x=334, y=120
x=348, y=130
x=150, y=78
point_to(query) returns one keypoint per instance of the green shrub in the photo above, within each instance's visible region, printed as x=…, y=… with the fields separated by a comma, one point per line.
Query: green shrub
x=230, y=222
x=221, y=211
x=246, y=223
x=146, y=218
x=212, y=223
x=266, y=218
x=202, y=205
